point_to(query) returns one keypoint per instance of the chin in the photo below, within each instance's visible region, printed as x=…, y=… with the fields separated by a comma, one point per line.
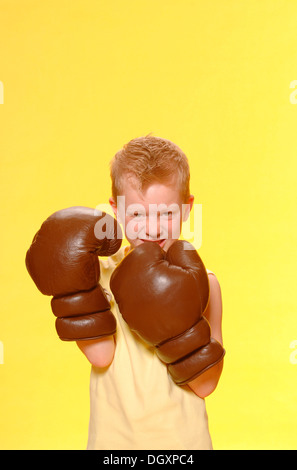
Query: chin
x=163, y=243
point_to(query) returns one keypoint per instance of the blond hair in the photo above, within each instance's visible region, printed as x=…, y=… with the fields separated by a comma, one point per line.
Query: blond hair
x=150, y=160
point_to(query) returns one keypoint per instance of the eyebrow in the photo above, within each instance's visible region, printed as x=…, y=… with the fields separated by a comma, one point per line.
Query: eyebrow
x=157, y=208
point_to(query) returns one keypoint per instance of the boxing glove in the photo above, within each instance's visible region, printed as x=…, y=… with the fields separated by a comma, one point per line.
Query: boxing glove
x=162, y=296
x=63, y=262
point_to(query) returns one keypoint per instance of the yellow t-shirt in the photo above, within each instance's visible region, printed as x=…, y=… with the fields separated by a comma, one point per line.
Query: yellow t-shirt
x=134, y=404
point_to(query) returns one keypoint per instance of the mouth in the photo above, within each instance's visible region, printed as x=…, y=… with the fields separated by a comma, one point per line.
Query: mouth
x=160, y=242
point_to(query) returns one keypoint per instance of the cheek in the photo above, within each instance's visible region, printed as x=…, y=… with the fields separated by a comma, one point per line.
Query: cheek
x=174, y=228
x=133, y=228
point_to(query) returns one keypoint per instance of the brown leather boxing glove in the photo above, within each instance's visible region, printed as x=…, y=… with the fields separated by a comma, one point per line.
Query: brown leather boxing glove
x=162, y=296
x=63, y=262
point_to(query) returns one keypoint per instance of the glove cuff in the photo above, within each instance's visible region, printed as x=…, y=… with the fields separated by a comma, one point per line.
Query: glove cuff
x=182, y=345
x=84, y=315
x=187, y=369
x=85, y=327
x=83, y=302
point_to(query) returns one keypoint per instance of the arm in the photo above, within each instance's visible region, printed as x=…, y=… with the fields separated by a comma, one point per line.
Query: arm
x=171, y=289
x=99, y=352
x=206, y=383
x=63, y=262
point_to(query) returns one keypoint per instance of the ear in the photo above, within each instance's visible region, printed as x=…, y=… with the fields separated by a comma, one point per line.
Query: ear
x=187, y=207
x=113, y=206
x=118, y=208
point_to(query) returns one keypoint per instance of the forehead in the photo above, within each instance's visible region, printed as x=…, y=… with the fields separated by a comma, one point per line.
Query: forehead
x=155, y=193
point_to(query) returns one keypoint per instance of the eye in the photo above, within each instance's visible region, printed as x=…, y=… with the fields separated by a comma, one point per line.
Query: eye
x=135, y=211
x=167, y=215
x=137, y=214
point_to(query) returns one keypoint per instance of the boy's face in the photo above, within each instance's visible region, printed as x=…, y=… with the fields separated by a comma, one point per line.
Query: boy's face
x=155, y=215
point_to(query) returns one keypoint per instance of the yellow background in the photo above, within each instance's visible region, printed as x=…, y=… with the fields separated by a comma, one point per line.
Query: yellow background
x=80, y=79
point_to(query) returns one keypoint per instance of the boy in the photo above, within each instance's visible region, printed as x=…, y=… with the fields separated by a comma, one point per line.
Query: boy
x=134, y=403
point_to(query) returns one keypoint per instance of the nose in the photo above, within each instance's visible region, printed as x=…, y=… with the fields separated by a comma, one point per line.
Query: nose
x=153, y=227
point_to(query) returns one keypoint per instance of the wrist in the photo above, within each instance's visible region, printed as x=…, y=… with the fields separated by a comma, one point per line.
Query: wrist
x=99, y=352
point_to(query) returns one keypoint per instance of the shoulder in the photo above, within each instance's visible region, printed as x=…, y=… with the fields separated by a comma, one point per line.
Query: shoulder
x=214, y=310
x=111, y=262
x=215, y=294
x=214, y=284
